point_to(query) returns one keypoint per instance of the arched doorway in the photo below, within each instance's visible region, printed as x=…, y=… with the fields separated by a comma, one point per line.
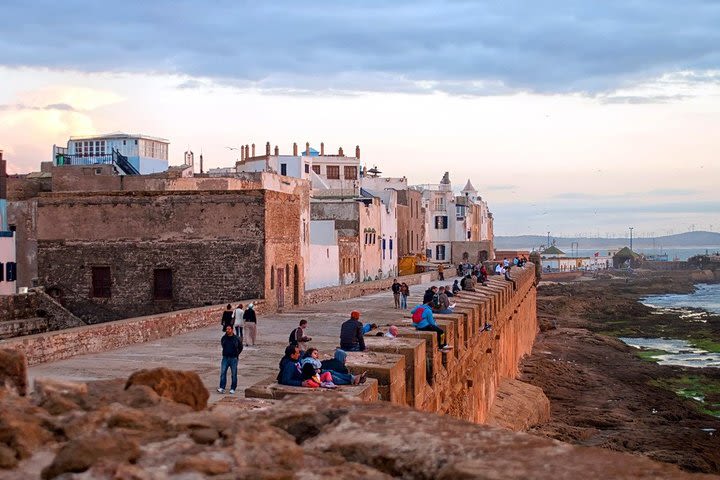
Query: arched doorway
x=296, y=285
x=483, y=256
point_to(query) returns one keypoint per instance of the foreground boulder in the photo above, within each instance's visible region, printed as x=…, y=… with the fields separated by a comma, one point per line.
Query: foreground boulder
x=139, y=433
x=178, y=386
x=13, y=371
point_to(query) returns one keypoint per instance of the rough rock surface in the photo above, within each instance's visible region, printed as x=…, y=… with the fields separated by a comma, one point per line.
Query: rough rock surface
x=181, y=387
x=131, y=434
x=13, y=371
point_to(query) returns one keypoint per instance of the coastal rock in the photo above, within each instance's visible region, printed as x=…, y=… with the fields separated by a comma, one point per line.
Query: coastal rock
x=518, y=406
x=178, y=386
x=13, y=371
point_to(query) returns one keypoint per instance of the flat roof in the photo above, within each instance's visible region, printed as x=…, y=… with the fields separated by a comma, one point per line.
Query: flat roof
x=120, y=135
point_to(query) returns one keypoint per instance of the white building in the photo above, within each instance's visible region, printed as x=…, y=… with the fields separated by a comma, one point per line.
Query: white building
x=451, y=219
x=145, y=154
x=8, y=266
x=325, y=256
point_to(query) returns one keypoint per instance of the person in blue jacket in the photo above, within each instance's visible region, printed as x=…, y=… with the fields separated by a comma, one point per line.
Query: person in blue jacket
x=427, y=324
x=290, y=373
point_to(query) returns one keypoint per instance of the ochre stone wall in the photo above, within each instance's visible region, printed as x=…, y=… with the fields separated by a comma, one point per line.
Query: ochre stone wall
x=213, y=242
x=53, y=346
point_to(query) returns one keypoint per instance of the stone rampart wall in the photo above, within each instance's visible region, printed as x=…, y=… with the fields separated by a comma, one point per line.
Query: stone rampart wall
x=464, y=382
x=33, y=312
x=53, y=346
x=343, y=292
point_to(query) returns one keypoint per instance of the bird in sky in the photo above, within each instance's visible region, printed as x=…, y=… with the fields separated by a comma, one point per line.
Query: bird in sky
x=232, y=148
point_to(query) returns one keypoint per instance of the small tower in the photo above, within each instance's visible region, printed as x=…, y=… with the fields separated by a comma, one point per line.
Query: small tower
x=469, y=191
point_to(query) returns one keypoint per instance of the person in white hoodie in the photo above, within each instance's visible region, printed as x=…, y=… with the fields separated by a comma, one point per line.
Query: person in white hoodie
x=239, y=322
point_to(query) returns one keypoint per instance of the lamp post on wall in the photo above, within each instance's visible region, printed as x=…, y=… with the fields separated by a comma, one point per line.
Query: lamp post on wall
x=631, y=229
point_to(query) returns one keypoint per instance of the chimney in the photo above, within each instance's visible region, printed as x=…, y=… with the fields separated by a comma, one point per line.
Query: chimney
x=3, y=177
x=295, y=149
x=322, y=149
x=247, y=151
x=340, y=152
x=267, y=149
x=201, y=165
x=253, y=150
x=307, y=149
x=357, y=152
x=242, y=152
x=277, y=150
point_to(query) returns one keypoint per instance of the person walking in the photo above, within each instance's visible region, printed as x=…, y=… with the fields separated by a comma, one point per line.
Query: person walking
x=250, y=326
x=231, y=349
x=441, y=272
x=239, y=322
x=396, y=292
x=351, y=334
x=227, y=317
x=404, y=293
x=298, y=337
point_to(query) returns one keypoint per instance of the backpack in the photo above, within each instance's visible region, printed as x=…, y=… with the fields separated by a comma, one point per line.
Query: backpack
x=417, y=316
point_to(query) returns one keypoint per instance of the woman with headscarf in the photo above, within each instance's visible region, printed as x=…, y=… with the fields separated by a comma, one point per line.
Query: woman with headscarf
x=339, y=371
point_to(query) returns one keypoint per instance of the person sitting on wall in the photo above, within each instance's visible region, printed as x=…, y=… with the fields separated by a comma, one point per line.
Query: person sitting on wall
x=392, y=332
x=442, y=303
x=351, y=334
x=298, y=337
x=483, y=275
x=290, y=373
x=509, y=279
x=448, y=291
x=456, y=287
x=314, y=378
x=467, y=283
x=429, y=294
x=339, y=371
x=423, y=320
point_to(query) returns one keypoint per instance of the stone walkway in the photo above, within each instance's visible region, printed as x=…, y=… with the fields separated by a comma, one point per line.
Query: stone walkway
x=199, y=351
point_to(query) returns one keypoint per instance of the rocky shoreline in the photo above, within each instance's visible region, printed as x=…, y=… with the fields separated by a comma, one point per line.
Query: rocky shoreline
x=602, y=393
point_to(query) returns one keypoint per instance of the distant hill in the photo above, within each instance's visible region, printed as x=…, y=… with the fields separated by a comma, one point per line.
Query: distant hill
x=687, y=239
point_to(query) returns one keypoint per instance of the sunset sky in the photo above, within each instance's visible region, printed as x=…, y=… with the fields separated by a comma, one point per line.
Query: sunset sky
x=567, y=116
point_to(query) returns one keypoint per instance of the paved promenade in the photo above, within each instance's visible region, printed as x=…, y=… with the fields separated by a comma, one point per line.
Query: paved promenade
x=199, y=351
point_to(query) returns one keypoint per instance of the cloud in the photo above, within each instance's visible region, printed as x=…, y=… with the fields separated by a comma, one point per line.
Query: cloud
x=55, y=106
x=456, y=47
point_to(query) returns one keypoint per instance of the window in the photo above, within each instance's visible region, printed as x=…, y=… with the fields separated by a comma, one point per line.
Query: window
x=460, y=211
x=441, y=222
x=101, y=282
x=333, y=172
x=287, y=275
x=307, y=168
x=162, y=284
x=350, y=173
x=440, y=252
x=383, y=248
x=316, y=169
x=272, y=278
x=391, y=248
x=283, y=169
x=2, y=272
x=440, y=204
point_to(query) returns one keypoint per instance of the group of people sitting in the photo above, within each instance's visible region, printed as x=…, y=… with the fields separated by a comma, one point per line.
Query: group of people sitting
x=305, y=369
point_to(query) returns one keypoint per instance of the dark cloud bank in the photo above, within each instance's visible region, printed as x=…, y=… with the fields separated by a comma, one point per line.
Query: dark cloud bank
x=454, y=46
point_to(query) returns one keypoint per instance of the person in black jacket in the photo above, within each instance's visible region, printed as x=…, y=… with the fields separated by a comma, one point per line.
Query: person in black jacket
x=250, y=324
x=351, y=334
x=396, y=292
x=227, y=317
x=429, y=294
x=231, y=348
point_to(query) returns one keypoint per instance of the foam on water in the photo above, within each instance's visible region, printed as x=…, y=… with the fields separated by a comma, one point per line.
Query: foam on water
x=678, y=352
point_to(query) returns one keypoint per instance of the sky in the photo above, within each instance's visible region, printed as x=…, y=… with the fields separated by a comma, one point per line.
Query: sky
x=575, y=117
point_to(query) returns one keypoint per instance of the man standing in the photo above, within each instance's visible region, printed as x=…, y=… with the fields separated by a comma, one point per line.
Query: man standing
x=441, y=272
x=250, y=324
x=396, y=292
x=351, y=334
x=298, y=337
x=231, y=348
x=239, y=322
x=227, y=317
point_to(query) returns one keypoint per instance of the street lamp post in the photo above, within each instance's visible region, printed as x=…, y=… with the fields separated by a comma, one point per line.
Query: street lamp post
x=631, y=229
